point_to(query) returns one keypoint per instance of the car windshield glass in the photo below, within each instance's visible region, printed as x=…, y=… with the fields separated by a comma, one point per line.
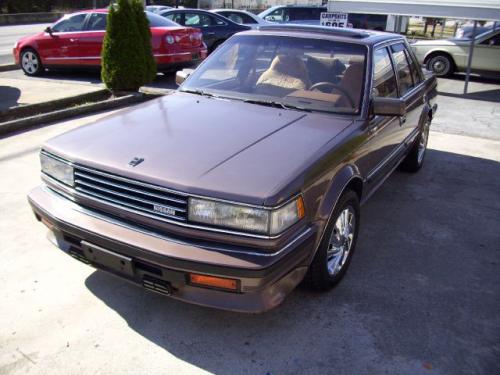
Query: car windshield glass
x=302, y=73
x=159, y=21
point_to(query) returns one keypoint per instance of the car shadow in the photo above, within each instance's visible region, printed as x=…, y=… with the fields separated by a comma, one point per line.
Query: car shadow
x=421, y=290
x=9, y=97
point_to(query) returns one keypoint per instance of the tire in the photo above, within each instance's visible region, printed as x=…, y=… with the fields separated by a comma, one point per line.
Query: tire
x=331, y=262
x=415, y=158
x=30, y=61
x=441, y=65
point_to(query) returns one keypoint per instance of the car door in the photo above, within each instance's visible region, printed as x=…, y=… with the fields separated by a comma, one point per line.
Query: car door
x=381, y=132
x=410, y=89
x=61, y=47
x=206, y=24
x=91, y=40
x=486, y=55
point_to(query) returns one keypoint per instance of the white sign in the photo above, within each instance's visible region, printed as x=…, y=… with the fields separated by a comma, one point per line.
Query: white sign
x=333, y=19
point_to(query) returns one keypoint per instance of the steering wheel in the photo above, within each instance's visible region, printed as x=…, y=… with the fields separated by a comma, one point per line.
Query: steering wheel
x=339, y=88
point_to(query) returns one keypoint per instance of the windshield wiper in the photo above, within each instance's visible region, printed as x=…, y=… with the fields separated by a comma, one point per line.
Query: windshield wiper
x=272, y=103
x=200, y=92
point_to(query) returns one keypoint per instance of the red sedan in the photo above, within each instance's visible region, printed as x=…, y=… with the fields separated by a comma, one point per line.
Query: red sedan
x=76, y=40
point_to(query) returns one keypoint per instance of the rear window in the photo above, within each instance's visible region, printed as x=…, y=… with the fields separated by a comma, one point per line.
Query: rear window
x=159, y=21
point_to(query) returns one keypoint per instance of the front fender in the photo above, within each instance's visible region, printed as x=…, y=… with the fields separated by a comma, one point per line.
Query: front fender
x=339, y=183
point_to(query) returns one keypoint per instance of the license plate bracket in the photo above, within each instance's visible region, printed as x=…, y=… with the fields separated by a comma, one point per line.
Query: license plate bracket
x=115, y=262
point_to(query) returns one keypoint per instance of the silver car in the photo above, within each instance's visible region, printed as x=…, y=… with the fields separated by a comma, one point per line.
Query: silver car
x=447, y=56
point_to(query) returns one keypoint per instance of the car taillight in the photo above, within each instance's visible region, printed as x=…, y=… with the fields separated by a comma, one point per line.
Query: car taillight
x=195, y=37
x=170, y=39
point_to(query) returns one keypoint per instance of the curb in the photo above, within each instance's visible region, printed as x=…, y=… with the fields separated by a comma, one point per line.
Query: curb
x=25, y=123
x=7, y=67
x=30, y=110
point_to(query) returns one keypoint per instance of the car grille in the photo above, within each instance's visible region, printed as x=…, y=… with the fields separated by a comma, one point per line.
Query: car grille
x=136, y=196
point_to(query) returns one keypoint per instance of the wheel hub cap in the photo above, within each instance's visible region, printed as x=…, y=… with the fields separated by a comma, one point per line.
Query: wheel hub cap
x=422, y=144
x=341, y=239
x=30, y=62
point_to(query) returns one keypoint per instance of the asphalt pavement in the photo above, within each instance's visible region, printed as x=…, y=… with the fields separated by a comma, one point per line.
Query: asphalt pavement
x=421, y=296
x=11, y=34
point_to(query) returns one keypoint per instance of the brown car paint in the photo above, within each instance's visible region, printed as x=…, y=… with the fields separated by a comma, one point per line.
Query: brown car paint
x=248, y=154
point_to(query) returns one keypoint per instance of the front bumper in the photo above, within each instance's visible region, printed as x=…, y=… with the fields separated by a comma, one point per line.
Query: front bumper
x=162, y=264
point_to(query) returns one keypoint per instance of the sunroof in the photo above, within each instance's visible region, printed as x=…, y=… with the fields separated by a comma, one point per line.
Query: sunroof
x=351, y=33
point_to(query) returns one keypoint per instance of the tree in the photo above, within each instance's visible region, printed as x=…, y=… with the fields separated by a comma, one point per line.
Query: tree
x=127, y=60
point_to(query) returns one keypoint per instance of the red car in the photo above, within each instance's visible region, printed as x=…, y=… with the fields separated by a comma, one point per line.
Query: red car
x=76, y=40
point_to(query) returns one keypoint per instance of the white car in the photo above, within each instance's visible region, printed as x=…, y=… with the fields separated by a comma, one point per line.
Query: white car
x=242, y=17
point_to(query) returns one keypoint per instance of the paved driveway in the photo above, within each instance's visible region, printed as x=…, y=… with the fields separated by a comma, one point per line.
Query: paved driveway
x=421, y=297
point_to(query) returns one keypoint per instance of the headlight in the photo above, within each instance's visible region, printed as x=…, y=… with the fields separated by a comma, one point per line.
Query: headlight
x=245, y=218
x=56, y=169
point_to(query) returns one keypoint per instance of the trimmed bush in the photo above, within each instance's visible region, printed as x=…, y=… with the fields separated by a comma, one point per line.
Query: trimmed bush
x=127, y=59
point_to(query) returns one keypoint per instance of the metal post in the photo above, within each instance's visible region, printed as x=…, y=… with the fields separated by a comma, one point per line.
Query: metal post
x=469, y=61
x=94, y=5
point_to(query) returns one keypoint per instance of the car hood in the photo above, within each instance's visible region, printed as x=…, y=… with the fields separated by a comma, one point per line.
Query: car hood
x=206, y=146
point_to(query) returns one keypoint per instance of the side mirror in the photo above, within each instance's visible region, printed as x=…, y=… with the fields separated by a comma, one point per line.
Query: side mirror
x=388, y=106
x=48, y=30
x=181, y=75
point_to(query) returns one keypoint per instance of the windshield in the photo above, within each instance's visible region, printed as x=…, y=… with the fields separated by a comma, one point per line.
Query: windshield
x=301, y=73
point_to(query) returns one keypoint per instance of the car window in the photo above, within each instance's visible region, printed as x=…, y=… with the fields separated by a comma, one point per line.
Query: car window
x=197, y=20
x=493, y=41
x=97, y=22
x=70, y=23
x=278, y=15
x=384, y=79
x=402, y=68
x=156, y=20
x=414, y=67
x=240, y=18
x=216, y=21
x=311, y=74
x=175, y=17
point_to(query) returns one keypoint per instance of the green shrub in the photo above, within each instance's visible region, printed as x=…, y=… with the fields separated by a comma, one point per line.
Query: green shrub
x=127, y=60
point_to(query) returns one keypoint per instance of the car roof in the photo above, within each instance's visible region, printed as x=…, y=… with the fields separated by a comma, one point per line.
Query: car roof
x=230, y=10
x=368, y=37
x=298, y=6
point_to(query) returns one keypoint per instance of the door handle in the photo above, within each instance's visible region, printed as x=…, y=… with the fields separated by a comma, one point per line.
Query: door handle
x=402, y=120
x=211, y=33
x=73, y=40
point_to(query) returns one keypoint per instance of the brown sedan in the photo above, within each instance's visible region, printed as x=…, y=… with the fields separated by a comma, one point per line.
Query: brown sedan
x=249, y=178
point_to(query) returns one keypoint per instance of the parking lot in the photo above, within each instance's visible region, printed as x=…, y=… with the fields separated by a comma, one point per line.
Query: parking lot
x=421, y=296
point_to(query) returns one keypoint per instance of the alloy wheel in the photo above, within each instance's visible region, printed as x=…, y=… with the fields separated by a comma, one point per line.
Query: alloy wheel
x=422, y=143
x=341, y=239
x=30, y=62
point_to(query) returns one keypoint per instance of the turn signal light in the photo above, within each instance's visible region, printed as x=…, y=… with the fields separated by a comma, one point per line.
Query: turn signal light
x=301, y=212
x=213, y=282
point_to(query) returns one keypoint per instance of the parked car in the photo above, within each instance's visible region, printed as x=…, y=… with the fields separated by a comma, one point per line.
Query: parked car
x=447, y=56
x=310, y=15
x=250, y=177
x=157, y=8
x=241, y=17
x=76, y=40
x=467, y=30
x=216, y=29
